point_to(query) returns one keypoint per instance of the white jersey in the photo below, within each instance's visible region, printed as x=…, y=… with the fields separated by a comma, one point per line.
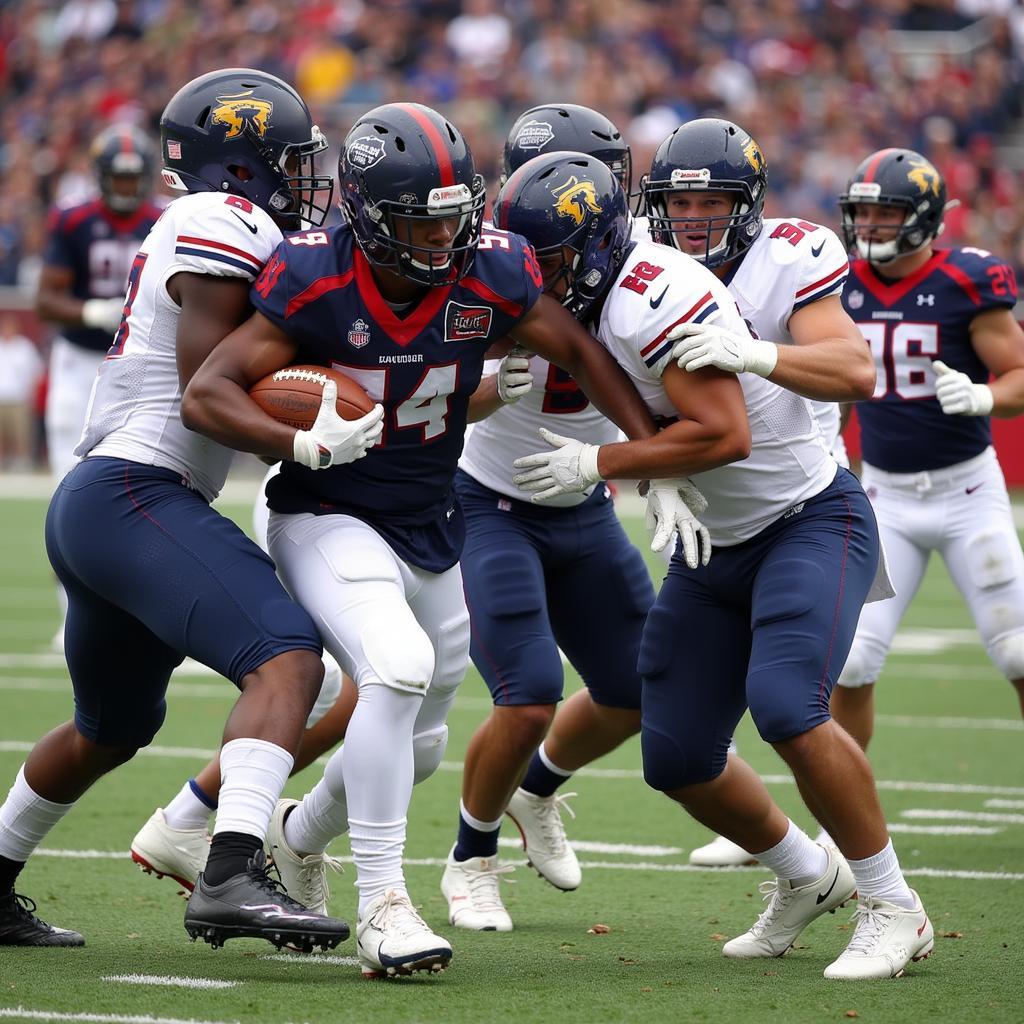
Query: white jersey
x=790, y=265
x=135, y=408
x=658, y=288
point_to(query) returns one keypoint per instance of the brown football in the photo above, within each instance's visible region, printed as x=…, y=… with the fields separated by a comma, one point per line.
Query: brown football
x=292, y=395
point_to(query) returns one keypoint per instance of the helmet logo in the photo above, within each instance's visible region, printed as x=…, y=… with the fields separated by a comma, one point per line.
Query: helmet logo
x=365, y=152
x=576, y=199
x=924, y=176
x=242, y=111
x=752, y=151
x=534, y=135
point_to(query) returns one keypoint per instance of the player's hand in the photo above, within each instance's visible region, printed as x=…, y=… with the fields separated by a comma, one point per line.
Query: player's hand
x=514, y=377
x=332, y=441
x=700, y=345
x=103, y=314
x=570, y=468
x=673, y=507
x=958, y=394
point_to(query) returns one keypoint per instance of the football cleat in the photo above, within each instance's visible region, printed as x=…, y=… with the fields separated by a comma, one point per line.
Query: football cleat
x=471, y=889
x=19, y=925
x=177, y=853
x=253, y=905
x=720, y=853
x=792, y=908
x=393, y=940
x=886, y=937
x=548, y=852
x=304, y=878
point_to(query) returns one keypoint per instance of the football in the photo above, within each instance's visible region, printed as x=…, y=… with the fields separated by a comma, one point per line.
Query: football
x=292, y=395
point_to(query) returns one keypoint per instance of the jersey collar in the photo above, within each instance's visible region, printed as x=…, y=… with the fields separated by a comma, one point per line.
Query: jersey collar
x=890, y=292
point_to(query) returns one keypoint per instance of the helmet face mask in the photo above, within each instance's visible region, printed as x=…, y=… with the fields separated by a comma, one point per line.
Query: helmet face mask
x=123, y=156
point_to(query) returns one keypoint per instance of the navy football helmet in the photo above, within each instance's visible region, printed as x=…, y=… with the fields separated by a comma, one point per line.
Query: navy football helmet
x=570, y=201
x=124, y=152
x=554, y=127
x=711, y=155
x=895, y=177
x=404, y=163
x=249, y=134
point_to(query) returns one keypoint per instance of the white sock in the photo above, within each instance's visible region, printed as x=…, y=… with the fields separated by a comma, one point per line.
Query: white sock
x=186, y=811
x=880, y=877
x=477, y=823
x=26, y=819
x=796, y=859
x=321, y=817
x=550, y=765
x=377, y=849
x=253, y=773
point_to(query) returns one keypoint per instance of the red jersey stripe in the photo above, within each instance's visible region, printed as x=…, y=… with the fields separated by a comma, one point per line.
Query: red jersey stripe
x=824, y=281
x=686, y=316
x=313, y=292
x=192, y=240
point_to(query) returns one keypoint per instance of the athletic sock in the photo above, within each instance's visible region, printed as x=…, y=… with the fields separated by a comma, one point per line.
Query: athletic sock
x=320, y=818
x=190, y=809
x=796, y=859
x=543, y=777
x=253, y=773
x=26, y=819
x=476, y=838
x=881, y=878
x=230, y=853
x=9, y=870
x=377, y=849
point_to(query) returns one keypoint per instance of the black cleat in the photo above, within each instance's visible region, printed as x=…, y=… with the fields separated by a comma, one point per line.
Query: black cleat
x=254, y=905
x=19, y=925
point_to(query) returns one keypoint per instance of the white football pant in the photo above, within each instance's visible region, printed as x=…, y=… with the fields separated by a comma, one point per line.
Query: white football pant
x=72, y=372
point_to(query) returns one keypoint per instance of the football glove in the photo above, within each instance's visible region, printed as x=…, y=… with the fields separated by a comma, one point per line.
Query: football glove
x=958, y=394
x=514, y=377
x=332, y=441
x=673, y=507
x=570, y=468
x=700, y=345
x=103, y=314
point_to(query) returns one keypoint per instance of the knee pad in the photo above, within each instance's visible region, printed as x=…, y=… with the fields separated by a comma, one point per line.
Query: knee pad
x=452, y=654
x=1007, y=654
x=330, y=690
x=401, y=658
x=992, y=558
x=864, y=663
x=427, y=752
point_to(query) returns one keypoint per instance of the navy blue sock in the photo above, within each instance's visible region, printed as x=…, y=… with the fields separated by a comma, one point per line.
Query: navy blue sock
x=540, y=780
x=474, y=842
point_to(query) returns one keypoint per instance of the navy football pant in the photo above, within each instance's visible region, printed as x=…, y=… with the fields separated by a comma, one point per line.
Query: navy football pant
x=767, y=624
x=540, y=579
x=153, y=574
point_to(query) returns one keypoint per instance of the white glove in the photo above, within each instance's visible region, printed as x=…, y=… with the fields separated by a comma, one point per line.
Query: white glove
x=958, y=394
x=673, y=507
x=332, y=441
x=700, y=345
x=104, y=314
x=514, y=377
x=570, y=468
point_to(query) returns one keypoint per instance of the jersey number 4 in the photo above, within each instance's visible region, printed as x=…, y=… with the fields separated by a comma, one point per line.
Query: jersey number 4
x=903, y=354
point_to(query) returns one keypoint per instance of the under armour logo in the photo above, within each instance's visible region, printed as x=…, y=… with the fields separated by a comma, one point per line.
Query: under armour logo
x=926, y=300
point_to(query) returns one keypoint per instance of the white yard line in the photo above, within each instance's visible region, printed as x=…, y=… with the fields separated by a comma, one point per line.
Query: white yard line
x=955, y=815
x=312, y=958
x=170, y=980
x=21, y=1013
x=950, y=722
x=583, y=846
x=942, y=830
x=1008, y=805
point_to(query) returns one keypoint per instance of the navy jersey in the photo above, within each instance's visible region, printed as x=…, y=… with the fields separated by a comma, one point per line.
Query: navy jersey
x=422, y=367
x=909, y=322
x=98, y=247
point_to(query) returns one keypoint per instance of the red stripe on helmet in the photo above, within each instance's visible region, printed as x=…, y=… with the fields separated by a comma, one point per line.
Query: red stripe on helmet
x=869, y=174
x=444, y=160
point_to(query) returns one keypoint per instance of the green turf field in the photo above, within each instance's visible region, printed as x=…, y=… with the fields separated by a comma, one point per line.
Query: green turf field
x=948, y=751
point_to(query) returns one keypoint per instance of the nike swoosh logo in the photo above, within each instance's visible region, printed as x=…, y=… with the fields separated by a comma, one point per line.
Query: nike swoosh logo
x=251, y=227
x=971, y=490
x=921, y=929
x=816, y=251
x=655, y=303
x=822, y=896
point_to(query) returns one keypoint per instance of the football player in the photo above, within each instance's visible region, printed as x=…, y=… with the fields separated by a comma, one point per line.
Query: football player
x=82, y=284
x=950, y=354
x=705, y=195
x=767, y=624
x=153, y=573
x=406, y=297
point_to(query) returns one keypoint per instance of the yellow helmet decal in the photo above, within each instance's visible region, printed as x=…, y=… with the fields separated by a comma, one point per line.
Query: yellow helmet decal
x=575, y=198
x=242, y=111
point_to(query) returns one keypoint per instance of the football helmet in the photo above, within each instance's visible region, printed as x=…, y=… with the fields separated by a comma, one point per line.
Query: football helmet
x=895, y=177
x=403, y=164
x=570, y=201
x=711, y=155
x=249, y=134
x=123, y=151
x=561, y=127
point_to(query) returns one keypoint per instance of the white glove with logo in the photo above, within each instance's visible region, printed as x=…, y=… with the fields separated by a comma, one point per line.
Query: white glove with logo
x=332, y=441
x=570, y=468
x=958, y=394
x=700, y=345
x=673, y=507
x=104, y=314
x=514, y=377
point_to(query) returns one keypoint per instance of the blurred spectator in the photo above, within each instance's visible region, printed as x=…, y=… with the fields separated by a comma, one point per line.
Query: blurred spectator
x=21, y=367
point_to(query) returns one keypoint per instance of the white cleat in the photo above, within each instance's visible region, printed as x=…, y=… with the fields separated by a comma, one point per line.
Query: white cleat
x=392, y=939
x=178, y=853
x=548, y=852
x=790, y=910
x=471, y=889
x=304, y=878
x=885, y=939
x=720, y=853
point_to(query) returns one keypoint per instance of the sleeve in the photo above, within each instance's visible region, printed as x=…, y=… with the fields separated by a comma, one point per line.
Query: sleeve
x=58, y=243
x=226, y=239
x=995, y=281
x=271, y=293
x=823, y=268
x=702, y=301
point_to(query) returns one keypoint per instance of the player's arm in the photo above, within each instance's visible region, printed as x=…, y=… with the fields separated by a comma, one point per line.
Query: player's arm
x=55, y=302
x=508, y=384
